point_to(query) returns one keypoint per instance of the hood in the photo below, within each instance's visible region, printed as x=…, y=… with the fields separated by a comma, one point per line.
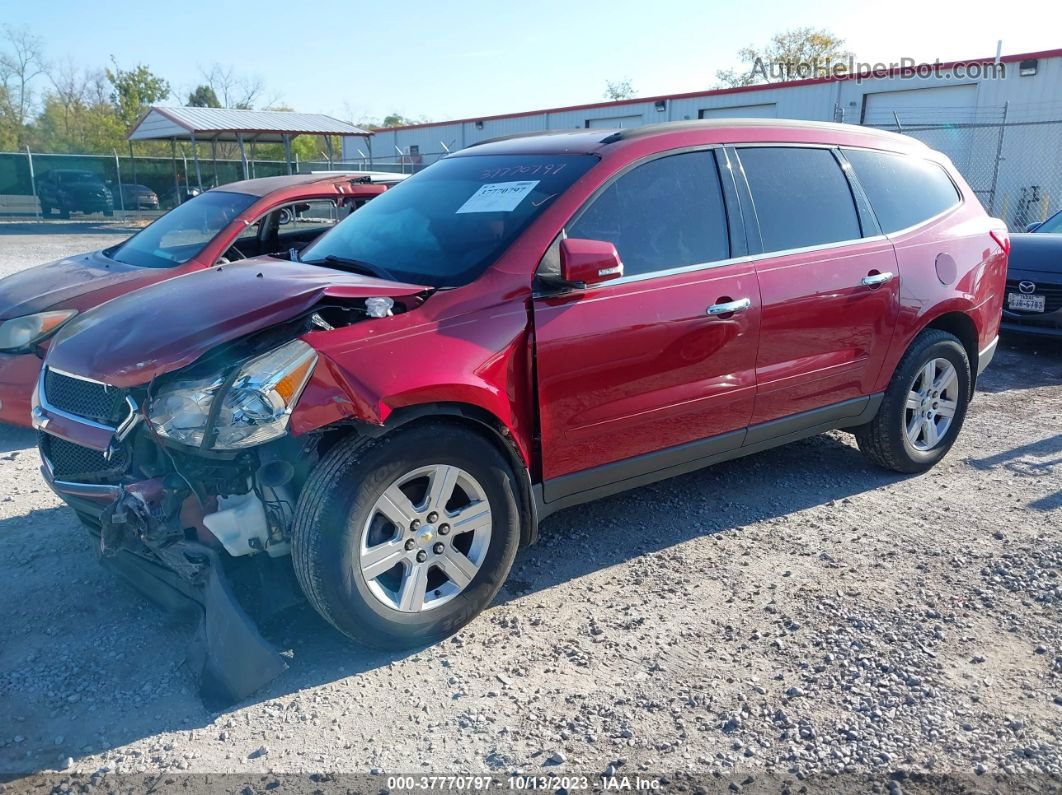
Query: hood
x=164, y=327
x=1031, y=251
x=60, y=284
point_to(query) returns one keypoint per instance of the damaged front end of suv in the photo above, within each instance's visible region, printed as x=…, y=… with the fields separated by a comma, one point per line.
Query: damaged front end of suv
x=182, y=465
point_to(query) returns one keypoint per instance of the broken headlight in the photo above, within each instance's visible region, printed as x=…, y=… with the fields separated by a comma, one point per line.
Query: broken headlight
x=254, y=408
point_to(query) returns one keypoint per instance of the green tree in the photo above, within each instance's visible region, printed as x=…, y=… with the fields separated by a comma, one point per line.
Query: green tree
x=134, y=90
x=203, y=97
x=790, y=55
x=619, y=89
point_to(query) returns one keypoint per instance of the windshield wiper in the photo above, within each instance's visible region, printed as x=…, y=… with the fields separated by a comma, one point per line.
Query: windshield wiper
x=356, y=265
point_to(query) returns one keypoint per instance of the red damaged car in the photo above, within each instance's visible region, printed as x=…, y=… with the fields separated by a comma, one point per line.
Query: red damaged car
x=233, y=222
x=525, y=325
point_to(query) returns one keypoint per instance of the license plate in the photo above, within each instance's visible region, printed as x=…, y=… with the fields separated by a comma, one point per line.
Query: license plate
x=1025, y=303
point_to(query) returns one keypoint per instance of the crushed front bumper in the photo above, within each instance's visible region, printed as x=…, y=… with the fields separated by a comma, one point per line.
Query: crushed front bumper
x=141, y=538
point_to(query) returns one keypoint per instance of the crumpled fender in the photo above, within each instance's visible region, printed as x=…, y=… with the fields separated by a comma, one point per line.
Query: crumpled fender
x=480, y=360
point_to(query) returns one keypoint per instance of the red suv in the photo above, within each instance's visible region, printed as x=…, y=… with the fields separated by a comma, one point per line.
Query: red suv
x=526, y=325
x=235, y=221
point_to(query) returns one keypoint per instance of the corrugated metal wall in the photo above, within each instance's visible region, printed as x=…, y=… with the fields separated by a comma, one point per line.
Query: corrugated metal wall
x=1036, y=96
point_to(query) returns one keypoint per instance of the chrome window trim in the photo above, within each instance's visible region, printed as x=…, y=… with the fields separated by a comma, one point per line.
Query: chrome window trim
x=701, y=266
x=640, y=277
x=962, y=196
x=683, y=150
x=738, y=260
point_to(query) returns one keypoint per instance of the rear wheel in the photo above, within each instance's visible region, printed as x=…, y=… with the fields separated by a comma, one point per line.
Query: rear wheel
x=64, y=211
x=402, y=540
x=924, y=406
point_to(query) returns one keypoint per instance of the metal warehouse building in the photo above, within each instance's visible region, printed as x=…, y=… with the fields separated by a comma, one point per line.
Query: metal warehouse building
x=1000, y=121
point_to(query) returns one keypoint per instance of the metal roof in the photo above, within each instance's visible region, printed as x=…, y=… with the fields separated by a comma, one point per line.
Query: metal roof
x=262, y=186
x=224, y=124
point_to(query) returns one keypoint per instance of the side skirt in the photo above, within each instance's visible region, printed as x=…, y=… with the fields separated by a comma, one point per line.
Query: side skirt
x=592, y=484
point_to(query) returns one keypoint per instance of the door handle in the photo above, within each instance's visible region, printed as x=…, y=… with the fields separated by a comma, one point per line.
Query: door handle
x=877, y=279
x=730, y=307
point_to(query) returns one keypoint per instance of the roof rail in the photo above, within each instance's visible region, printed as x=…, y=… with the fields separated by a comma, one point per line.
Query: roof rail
x=694, y=124
x=512, y=136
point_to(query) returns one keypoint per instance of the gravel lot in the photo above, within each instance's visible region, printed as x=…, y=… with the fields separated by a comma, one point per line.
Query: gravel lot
x=796, y=612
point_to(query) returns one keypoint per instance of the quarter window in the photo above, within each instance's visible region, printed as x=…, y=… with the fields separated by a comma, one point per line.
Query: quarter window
x=802, y=197
x=666, y=213
x=904, y=190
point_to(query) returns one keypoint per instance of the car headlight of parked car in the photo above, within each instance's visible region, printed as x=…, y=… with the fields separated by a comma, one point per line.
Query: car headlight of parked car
x=254, y=408
x=19, y=333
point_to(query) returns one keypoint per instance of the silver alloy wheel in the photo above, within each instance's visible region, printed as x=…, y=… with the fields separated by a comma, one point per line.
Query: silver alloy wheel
x=931, y=404
x=425, y=538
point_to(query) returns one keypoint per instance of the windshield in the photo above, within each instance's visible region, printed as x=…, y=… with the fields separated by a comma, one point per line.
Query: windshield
x=445, y=225
x=1052, y=224
x=183, y=232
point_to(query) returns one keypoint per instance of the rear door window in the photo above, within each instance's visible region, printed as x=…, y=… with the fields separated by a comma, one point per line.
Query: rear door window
x=904, y=190
x=802, y=197
x=666, y=213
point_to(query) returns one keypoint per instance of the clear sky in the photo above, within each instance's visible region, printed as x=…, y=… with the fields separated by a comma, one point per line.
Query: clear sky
x=470, y=58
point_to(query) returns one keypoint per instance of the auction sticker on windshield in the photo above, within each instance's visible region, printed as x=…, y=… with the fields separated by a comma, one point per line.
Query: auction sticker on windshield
x=497, y=197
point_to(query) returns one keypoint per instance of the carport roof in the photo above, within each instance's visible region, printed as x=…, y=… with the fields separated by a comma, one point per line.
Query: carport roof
x=224, y=124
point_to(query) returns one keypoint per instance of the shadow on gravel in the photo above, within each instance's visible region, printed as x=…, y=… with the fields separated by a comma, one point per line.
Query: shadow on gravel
x=1046, y=455
x=1023, y=362
x=723, y=497
x=151, y=690
x=14, y=438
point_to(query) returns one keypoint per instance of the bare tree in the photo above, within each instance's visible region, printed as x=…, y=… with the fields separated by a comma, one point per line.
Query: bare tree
x=20, y=64
x=233, y=90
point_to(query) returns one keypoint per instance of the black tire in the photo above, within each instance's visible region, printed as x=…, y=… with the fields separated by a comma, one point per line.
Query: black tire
x=64, y=211
x=46, y=210
x=339, y=497
x=108, y=213
x=883, y=440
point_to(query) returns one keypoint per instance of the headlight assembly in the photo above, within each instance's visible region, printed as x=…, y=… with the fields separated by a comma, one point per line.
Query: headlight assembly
x=19, y=333
x=254, y=408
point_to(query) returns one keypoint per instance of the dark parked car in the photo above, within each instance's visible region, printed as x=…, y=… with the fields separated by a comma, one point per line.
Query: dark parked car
x=1034, y=280
x=137, y=197
x=522, y=326
x=70, y=191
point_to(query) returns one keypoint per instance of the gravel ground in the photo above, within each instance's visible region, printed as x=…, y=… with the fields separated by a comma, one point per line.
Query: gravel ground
x=797, y=612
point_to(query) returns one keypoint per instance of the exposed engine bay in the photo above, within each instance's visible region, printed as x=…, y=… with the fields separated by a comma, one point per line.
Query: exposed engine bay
x=178, y=518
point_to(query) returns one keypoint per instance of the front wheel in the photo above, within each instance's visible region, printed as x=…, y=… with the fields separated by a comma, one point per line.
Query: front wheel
x=923, y=408
x=400, y=541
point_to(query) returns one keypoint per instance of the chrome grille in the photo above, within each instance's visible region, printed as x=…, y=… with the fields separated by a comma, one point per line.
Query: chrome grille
x=1052, y=296
x=95, y=401
x=73, y=462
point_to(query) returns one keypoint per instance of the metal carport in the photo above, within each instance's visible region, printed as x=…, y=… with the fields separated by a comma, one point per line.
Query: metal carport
x=212, y=125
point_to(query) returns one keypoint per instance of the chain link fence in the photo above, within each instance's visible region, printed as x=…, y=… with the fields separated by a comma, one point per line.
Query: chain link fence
x=1008, y=155
x=169, y=179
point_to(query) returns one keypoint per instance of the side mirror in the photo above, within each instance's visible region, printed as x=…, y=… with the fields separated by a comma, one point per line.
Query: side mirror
x=1034, y=227
x=589, y=262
